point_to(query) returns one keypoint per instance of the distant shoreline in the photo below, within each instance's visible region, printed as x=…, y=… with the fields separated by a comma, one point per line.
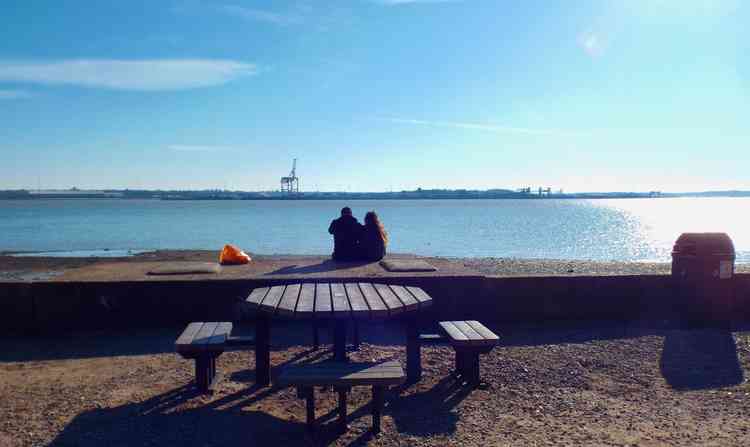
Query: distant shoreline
x=418, y=194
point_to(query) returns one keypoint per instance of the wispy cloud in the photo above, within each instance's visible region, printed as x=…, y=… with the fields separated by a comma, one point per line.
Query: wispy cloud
x=200, y=148
x=261, y=15
x=488, y=127
x=14, y=94
x=406, y=2
x=147, y=75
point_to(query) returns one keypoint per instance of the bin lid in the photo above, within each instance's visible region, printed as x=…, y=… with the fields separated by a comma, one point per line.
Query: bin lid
x=703, y=244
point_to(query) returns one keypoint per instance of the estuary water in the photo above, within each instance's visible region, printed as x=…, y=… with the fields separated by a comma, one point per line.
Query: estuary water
x=603, y=230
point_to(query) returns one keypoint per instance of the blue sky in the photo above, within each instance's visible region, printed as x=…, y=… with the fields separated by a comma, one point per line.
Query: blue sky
x=376, y=95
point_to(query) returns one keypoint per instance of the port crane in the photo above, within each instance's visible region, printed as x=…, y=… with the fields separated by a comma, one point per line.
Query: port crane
x=290, y=184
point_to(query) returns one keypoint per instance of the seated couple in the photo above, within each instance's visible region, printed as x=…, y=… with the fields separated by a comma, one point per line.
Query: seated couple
x=353, y=241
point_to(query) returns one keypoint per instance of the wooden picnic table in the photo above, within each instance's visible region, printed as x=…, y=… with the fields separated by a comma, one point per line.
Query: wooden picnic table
x=340, y=303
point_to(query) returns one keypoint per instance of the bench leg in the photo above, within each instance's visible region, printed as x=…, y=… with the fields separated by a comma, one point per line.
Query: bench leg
x=309, y=393
x=473, y=369
x=339, y=340
x=377, y=407
x=342, y=409
x=316, y=338
x=413, y=352
x=356, y=335
x=202, y=373
x=461, y=369
x=263, y=351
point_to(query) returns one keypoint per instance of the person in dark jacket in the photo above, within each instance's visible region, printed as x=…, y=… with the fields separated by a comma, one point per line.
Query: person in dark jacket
x=347, y=233
x=374, y=239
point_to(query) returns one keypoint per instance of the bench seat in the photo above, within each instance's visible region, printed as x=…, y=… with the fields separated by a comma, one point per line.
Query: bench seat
x=469, y=339
x=204, y=342
x=343, y=376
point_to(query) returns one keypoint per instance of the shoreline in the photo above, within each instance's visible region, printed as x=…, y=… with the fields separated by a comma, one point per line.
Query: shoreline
x=44, y=268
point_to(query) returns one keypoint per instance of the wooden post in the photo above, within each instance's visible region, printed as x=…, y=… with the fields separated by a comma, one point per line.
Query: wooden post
x=339, y=340
x=377, y=407
x=342, y=409
x=310, y=395
x=413, y=352
x=262, y=350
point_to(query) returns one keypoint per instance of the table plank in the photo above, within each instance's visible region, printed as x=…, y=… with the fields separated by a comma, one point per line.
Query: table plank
x=357, y=301
x=377, y=307
x=188, y=334
x=424, y=299
x=203, y=336
x=395, y=306
x=336, y=373
x=222, y=331
x=257, y=295
x=339, y=301
x=410, y=303
x=453, y=332
x=323, y=300
x=306, y=302
x=470, y=333
x=482, y=330
x=288, y=302
x=272, y=298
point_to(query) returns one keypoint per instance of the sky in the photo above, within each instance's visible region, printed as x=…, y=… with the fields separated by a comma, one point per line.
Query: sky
x=376, y=95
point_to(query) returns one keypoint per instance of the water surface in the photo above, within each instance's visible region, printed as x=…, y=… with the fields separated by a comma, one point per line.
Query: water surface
x=616, y=229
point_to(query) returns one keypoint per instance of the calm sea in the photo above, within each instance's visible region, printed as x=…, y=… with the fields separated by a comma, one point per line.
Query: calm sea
x=622, y=230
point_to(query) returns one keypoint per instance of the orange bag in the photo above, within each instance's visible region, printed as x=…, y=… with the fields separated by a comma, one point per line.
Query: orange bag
x=232, y=255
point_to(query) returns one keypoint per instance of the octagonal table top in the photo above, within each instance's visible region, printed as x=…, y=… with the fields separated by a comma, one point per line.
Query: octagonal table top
x=338, y=300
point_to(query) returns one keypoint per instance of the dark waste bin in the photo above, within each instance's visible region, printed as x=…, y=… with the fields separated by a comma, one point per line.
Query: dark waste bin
x=703, y=271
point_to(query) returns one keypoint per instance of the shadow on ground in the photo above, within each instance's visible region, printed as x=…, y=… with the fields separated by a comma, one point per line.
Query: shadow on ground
x=329, y=265
x=700, y=359
x=179, y=417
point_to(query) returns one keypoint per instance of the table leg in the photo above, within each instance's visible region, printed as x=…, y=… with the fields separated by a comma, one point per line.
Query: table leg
x=263, y=351
x=413, y=352
x=310, y=397
x=342, y=409
x=339, y=340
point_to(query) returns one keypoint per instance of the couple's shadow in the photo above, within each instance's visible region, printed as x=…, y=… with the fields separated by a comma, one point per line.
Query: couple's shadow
x=329, y=265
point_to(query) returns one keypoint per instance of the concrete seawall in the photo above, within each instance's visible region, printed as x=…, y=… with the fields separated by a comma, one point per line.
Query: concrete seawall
x=58, y=306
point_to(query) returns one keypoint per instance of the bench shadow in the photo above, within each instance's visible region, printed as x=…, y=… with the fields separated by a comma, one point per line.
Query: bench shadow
x=700, y=359
x=173, y=418
x=329, y=265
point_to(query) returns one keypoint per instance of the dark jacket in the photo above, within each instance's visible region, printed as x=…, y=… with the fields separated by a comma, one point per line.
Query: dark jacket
x=347, y=233
x=372, y=246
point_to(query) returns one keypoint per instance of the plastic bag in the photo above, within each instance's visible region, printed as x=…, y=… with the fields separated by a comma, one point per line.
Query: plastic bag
x=231, y=255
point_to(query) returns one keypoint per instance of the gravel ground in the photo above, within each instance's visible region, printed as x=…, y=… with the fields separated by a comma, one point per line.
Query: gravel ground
x=601, y=384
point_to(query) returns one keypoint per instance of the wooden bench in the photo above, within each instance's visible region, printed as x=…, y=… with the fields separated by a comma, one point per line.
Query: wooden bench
x=469, y=339
x=342, y=377
x=205, y=342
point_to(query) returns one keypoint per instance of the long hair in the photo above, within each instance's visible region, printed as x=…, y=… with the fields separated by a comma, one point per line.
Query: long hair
x=372, y=221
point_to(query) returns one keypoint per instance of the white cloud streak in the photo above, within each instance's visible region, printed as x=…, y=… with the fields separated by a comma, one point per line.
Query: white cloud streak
x=407, y=2
x=15, y=94
x=488, y=127
x=260, y=15
x=200, y=148
x=144, y=75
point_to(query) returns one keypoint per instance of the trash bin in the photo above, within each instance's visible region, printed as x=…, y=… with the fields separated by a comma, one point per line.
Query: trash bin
x=703, y=271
